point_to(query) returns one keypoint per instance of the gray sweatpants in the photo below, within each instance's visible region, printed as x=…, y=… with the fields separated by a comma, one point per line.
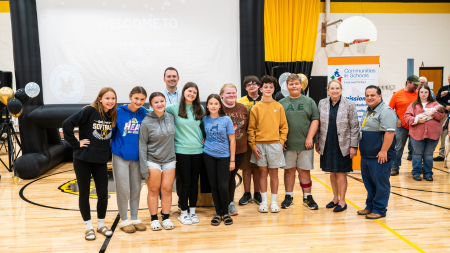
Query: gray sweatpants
x=127, y=178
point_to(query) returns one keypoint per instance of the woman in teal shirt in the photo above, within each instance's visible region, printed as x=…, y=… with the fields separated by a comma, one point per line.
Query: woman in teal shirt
x=188, y=149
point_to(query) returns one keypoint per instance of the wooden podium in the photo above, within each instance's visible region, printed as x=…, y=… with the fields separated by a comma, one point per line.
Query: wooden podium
x=204, y=199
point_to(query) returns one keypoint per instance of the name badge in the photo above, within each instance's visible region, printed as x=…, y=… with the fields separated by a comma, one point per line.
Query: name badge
x=360, y=135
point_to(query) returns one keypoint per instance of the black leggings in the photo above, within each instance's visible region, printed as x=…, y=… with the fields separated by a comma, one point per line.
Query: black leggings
x=239, y=158
x=188, y=170
x=218, y=170
x=83, y=172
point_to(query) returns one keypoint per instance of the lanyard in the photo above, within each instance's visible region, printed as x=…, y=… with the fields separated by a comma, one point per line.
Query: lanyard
x=366, y=119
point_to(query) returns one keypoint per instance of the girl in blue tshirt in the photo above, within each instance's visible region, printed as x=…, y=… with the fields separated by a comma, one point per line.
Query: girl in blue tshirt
x=218, y=154
x=125, y=149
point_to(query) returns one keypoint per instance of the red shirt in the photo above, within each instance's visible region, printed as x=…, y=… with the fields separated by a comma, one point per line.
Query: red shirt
x=400, y=102
x=429, y=129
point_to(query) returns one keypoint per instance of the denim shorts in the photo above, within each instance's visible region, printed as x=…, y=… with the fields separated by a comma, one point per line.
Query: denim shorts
x=166, y=166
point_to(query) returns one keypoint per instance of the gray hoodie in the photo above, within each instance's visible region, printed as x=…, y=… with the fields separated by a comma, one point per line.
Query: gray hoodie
x=156, y=140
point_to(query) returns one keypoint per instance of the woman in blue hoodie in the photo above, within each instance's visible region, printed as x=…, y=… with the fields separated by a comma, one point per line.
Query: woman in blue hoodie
x=125, y=149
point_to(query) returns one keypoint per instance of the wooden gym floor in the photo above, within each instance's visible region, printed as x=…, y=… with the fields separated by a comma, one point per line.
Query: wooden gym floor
x=37, y=216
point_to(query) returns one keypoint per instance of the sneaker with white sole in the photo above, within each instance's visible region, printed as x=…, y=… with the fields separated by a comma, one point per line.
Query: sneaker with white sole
x=185, y=219
x=232, y=209
x=310, y=203
x=194, y=218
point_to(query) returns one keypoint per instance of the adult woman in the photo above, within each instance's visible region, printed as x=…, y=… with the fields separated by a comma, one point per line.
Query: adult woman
x=218, y=154
x=338, y=141
x=425, y=134
x=188, y=149
x=157, y=159
x=124, y=146
x=239, y=115
x=91, y=154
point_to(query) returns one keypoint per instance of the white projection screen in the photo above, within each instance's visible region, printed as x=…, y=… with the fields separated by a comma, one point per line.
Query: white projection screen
x=88, y=44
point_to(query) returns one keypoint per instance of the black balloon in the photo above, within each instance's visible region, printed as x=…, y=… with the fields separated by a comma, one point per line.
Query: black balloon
x=22, y=96
x=14, y=107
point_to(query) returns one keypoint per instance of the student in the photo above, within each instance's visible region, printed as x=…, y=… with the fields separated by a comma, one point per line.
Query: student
x=303, y=120
x=157, y=159
x=188, y=149
x=91, y=154
x=251, y=84
x=218, y=154
x=267, y=132
x=239, y=115
x=125, y=160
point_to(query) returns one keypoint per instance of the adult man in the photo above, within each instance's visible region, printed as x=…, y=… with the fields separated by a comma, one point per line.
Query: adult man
x=171, y=78
x=400, y=102
x=303, y=120
x=443, y=97
x=423, y=81
x=251, y=84
x=377, y=147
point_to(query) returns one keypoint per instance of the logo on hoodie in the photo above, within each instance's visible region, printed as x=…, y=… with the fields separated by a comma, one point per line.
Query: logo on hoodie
x=102, y=130
x=131, y=127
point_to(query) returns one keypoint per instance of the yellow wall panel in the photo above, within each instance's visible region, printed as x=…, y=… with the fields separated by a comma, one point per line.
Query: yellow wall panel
x=380, y=7
x=4, y=6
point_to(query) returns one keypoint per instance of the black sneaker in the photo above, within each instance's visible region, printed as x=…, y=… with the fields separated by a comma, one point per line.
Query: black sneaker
x=417, y=178
x=394, y=172
x=430, y=178
x=247, y=197
x=257, y=198
x=287, y=202
x=310, y=203
x=438, y=159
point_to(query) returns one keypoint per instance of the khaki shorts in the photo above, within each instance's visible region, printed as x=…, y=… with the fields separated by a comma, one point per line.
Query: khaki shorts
x=271, y=156
x=246, y=165
x=300, y=159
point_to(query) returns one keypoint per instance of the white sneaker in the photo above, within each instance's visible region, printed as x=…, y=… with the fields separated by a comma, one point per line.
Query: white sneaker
x=185, y=219
x=194, y=218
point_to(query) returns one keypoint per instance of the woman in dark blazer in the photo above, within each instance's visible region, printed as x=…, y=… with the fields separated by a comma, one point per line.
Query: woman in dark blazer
x=338, y=137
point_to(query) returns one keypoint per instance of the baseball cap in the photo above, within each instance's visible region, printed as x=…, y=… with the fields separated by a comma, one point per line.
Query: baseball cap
x=414, y=79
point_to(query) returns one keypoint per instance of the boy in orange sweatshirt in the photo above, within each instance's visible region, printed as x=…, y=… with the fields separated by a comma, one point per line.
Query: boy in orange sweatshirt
x=267, y=133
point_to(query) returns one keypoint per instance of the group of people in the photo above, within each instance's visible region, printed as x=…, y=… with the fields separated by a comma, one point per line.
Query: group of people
x=176, y=136
x=422, y=118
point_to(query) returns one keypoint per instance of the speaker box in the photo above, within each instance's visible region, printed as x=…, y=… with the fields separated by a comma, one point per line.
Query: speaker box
x=317, y=87
x=5, y=79
x=276, y=72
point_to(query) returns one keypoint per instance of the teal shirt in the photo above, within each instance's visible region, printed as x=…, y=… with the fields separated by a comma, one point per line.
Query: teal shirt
x=188, y=135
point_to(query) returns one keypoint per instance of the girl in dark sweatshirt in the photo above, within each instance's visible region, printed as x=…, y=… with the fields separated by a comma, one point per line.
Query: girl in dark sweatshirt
x=91, y=154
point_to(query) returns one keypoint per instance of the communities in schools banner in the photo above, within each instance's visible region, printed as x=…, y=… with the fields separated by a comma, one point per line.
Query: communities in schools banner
x=355, y=73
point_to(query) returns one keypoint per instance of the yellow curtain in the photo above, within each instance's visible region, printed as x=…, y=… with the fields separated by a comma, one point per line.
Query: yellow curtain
x=290, y=29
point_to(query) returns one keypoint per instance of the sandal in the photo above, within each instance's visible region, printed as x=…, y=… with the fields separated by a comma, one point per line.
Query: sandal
x=263, y=208
x=155, y=225
x=167, y=224
x=89, y=233
x=274, y=208
x=227, y=219
x=103, y=230
x=216, y=220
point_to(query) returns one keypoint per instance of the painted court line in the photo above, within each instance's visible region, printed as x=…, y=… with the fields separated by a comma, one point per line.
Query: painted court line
x=377, y=221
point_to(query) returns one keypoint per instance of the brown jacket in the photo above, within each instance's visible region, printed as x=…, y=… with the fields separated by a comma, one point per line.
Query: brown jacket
x=347, y=125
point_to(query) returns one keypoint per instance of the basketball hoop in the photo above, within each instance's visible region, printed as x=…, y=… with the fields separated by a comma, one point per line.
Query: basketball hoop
x=361, y=45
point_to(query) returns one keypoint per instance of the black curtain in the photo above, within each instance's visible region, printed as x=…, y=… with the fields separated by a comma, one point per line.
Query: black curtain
x=303, y=67
x=251, y=23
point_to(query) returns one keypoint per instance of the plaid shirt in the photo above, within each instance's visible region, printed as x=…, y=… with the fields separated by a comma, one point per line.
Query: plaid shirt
x=347, y=125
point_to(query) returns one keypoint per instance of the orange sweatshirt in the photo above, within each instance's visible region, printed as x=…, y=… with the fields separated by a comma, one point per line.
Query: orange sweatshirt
x=267, y=124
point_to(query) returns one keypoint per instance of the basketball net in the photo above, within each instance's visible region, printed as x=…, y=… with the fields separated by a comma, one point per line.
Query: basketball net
x=361, y=45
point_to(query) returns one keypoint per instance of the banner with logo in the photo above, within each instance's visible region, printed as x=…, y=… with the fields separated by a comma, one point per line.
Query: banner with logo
x=355, y=73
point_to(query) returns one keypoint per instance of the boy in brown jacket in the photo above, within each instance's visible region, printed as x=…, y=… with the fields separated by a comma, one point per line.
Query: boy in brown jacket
x=267, y=133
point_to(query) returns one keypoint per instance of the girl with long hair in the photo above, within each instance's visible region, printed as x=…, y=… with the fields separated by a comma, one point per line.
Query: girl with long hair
x=188, y=116
x=125, y=161
x=91, y=154
x=218, y=154
x=157, y=159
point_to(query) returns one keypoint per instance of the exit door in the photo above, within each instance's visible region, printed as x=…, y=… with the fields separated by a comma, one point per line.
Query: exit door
x=434, y=77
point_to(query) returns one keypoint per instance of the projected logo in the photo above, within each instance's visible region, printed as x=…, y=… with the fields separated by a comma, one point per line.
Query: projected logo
x=67, y=84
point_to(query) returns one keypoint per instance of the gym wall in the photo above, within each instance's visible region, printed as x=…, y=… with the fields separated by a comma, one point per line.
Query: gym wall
x=416, y=31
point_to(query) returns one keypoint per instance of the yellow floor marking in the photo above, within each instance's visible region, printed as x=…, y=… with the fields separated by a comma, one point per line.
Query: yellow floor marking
x=377, y=221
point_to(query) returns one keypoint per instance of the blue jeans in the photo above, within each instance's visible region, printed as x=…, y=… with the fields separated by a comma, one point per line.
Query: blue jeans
x=423, y=151
x=401, y=136
x=376, y=180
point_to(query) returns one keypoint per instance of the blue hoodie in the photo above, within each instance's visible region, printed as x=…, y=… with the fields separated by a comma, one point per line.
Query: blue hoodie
x=125, y=141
